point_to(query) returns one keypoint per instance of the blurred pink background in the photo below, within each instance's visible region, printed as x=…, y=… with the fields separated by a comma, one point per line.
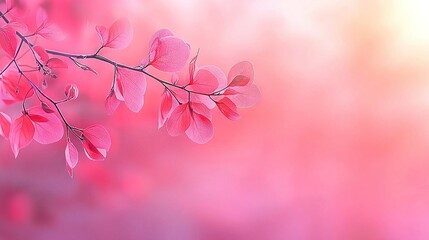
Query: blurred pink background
x=337, y=148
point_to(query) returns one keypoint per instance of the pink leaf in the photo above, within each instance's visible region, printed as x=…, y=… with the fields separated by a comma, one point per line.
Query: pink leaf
x=47, y=30
x=201, y=109
x=207, y=79
x=167, y=53
x=133, y=85
x=21, y=134
x=56, y=63
x=37, y=118
x=41, y=54
x=179, y=120
x=19, y=26
x=41, y=17
x=200, y=130
x=165, y=108
x=48, y=127
x=5, y=123
x=46, y=108
x=228, y=108
x=52, y=32
x=241, y=74
x=72, y=157
x=159, y=34
x=96, y=142
x=246, y=96
x=111, y=103
x=17, y=87
x=102, y=34
x=120, y=34
x=203, y=99
x=8, y=40
x=92, y=152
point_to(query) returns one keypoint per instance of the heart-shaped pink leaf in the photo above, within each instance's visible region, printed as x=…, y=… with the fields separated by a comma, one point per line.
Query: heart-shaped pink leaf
x=246, y=96
x=201, y=109
x=103, y=34
x=47, y=30
x=118, y=36
x=158, y=35
x=96, y=142
x=5, y=123
x=228, y=108
x=111, y=103
x=207, y=79
x=133, y=85
x=17, y=87
x=92, y=152
x=200, y=129
x=179, y=120
x=48, y=127
x=8, y=40
x=167, y=52
x=241, y=74
x=21, y=134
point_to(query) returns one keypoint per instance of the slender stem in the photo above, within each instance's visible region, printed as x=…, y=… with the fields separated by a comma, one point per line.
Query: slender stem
x=96, y=56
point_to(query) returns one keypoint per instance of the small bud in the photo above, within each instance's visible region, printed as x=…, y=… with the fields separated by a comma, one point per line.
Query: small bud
x=46, y=108
x=71, y=91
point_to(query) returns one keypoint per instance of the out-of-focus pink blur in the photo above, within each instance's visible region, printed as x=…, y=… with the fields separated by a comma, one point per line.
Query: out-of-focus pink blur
x=337, y=148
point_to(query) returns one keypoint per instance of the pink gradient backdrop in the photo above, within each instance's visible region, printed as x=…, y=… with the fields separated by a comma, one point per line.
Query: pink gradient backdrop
x=337, y=148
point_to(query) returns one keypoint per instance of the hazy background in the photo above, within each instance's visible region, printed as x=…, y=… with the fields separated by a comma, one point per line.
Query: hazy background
x=337, y=148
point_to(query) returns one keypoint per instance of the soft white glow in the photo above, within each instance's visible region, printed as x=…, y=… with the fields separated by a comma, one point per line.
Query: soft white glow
x=411, y=18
